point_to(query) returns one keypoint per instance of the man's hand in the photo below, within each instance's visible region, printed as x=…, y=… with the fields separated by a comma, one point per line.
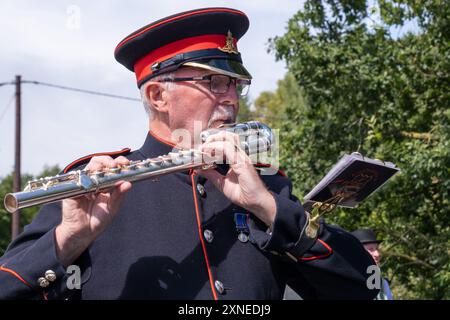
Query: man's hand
x=84, y=218
x=242, y=184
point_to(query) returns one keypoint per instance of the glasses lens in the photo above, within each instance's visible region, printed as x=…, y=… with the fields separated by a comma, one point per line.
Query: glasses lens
x=220, y=83
x=242, y=87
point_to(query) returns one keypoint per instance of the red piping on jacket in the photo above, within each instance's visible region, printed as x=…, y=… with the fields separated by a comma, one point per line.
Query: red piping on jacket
x=201, y=238
x=15, y=274
x=67, y=168
x=162, y=140
x=266, y=165
x=330, y=251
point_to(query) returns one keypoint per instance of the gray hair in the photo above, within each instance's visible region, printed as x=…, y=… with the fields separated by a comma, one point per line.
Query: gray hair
x=145, y=101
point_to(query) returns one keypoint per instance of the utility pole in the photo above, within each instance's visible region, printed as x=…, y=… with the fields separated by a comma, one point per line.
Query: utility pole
x=15, y=221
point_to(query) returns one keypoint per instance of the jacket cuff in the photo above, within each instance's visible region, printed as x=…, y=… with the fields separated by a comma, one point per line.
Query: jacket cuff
x=38, y=268
x=288, y=230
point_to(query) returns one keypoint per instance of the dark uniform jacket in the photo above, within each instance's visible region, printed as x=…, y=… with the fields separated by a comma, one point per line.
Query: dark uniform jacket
x=176, y=238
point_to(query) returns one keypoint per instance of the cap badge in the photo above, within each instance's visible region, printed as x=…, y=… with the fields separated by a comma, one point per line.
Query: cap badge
x=229, y=45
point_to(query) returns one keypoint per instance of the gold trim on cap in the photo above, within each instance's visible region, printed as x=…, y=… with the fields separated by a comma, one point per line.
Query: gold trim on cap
x=221, y=71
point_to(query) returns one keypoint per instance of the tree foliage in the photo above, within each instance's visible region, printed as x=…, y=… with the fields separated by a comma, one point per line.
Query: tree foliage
x=370, y=84
x=270, y=107
x=27, y=214
x=245, y=113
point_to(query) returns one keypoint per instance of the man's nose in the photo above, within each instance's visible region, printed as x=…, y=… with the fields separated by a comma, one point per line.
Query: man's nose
x=231, y=97
x=376, y=254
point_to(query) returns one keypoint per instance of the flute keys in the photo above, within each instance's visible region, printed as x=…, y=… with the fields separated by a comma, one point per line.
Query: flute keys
x=99, y=174
x=176, y=157
x=165, y=161
x=114, y=170
x=144, y=164
x=154, y=163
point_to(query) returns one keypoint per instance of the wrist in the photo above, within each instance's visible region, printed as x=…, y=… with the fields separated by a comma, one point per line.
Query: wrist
x=69, y=245
x=265, y=208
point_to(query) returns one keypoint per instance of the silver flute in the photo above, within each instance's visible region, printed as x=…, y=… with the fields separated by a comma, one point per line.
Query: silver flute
x=254, y=137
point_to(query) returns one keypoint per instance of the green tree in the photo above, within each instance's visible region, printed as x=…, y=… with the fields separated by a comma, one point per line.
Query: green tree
x=27, y=214
x=270, y=107
x=245, y=113
x=371, y=88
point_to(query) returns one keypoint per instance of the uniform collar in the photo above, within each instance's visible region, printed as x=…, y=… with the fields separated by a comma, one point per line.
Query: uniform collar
x=155, y=146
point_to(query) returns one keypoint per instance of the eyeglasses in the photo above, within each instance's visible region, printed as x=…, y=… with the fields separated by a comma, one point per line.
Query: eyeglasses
x=218, y=83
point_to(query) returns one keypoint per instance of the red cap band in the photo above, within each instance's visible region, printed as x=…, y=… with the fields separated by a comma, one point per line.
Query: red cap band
x=142, y=68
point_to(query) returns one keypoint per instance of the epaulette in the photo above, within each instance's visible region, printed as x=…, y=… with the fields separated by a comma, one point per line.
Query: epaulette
x=86, y=159
x=261, y=166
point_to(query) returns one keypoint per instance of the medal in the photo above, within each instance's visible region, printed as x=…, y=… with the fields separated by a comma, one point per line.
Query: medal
x=243, y=237
x=242, y=228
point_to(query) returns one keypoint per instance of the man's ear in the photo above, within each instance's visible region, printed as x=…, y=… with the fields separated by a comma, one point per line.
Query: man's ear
x=157, y=96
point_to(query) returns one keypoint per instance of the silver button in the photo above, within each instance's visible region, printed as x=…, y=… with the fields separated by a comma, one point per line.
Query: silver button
x=50, y=275
x=219, y=286
x=43, y=282
x=243, y=237
x=209, y=235
x=201, y=189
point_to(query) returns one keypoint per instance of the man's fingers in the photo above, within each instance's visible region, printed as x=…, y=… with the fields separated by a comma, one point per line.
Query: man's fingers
x=225, y=136
x=117, y=195
x=100, y=162
x=102, y=198
x=225, y=151
x=229, y=142
x=215, y=177
x=122, y=161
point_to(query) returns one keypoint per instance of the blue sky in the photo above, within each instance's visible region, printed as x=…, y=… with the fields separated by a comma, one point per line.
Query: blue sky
x=71, y=43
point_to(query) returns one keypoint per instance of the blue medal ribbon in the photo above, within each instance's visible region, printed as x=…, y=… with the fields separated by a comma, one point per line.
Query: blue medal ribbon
x=241, y=222
x=241, y=226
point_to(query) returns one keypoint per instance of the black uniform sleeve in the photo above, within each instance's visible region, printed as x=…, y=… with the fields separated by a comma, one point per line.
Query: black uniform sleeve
x=333, y=263
x=27, y=259
x=33, y=253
